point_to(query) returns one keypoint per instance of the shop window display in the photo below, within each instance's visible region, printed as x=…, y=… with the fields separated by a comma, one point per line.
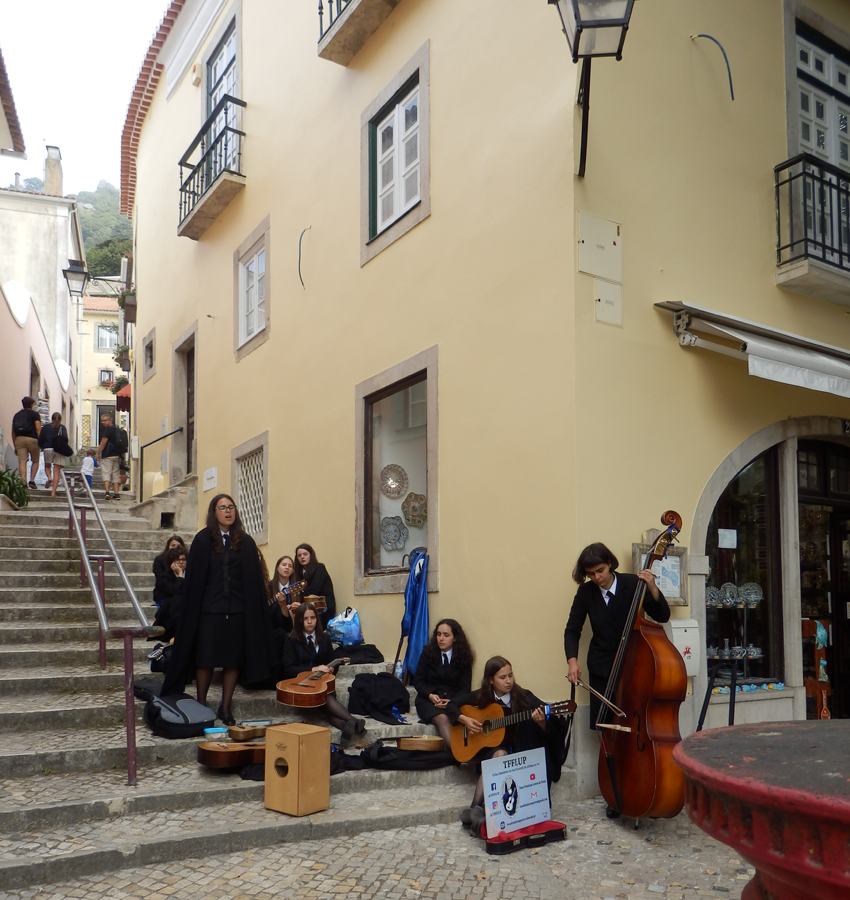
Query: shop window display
x=743, y=590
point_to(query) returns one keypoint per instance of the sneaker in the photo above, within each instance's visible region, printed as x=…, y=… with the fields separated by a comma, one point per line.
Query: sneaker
x=33, y=485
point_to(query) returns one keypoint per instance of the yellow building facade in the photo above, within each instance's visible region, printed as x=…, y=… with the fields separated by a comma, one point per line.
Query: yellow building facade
x=380, y=277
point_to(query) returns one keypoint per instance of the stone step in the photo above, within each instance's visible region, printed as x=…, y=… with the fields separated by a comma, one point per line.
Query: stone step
x=56, y=612
x=10, y=565
x=63, y=580
x=29, y=633
x=47, y=680
x=40, y=802
x=68, y=595
x=114, y=520
x=45, y=856
x=35, y=537
x=98, y=747
x=68, y=653
x=25, y=549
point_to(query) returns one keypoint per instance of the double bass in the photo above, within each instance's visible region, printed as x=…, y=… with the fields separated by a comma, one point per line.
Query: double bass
x=648, y=682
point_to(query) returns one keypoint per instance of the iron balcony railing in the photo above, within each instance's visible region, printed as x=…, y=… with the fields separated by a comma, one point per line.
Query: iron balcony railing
x=341, y=6
x=219, y=143
x=812, y=212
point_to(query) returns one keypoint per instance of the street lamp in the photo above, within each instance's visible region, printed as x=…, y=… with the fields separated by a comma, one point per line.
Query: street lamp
x=594, y=28
x=77, y=277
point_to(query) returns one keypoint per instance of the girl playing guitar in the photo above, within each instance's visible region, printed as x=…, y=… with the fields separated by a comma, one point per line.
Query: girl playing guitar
x=307, y=649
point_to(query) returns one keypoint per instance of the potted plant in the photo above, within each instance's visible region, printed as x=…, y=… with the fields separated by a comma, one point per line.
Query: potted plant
x=13, y=492
x=127, y=302
x=119, y=382
x=122, y=356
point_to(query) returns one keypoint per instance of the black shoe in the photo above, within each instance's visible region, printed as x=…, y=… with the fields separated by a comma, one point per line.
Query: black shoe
x=476, y=817
x=225, y=719
x=359, y=726
x=466, y=815
x=611, y=813
x=33, y=485
x=349, y=729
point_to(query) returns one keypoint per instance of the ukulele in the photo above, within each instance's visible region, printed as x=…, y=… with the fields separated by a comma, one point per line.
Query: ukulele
x=824, y=713
x=289, y=591
x=248, y=731
x=309, y=688
x=493, y=721
x=220, y=755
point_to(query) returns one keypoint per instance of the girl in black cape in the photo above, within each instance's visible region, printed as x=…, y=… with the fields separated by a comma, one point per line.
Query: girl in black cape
x=319, y=583
x=225, y=620
x=443, y=673
x=309, y=649
x=498, y=686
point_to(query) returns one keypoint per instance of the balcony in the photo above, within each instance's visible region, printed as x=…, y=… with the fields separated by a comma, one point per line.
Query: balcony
x=813, y=228
x=210, y=183
x=350, y=23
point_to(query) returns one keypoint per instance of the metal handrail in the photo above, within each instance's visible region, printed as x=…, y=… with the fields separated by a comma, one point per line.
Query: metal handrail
x=227, y=98
x=134, y=600
x=162, y=437
x=84, y=556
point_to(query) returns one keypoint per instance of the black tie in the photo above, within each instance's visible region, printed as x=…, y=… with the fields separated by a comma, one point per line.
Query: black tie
x=311, y=642
x=445, y=660
x=224, y=538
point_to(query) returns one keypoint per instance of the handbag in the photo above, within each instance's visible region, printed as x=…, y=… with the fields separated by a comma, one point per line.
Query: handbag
x=60, y=443
x=345, y=628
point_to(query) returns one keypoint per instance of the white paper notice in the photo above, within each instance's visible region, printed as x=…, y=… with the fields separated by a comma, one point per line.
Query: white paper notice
x=668, y=576
x=210, y=478
x=727, y=538
x=516, y=793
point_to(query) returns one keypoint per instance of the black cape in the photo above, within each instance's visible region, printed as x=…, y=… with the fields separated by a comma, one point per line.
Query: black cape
x=259, y=644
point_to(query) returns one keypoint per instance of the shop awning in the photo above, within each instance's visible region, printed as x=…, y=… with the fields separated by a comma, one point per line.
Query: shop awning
x=122, y=399
x=769, y=353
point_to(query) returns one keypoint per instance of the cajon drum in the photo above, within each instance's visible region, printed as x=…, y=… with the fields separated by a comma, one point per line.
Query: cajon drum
x=298, y=769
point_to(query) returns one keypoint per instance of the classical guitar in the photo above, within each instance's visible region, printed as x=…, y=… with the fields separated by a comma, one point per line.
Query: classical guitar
x=493, y=721
x=320, y=603
x=309, y=688
x=289, y=591
x=429, y=742
x=221, y=755
x=248, y=731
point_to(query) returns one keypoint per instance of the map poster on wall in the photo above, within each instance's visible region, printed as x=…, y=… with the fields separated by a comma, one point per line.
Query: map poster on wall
x=516, y=793
x=668, y=576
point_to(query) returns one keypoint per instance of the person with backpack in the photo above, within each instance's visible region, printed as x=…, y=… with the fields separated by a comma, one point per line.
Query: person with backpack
x=53, y=439
x=113, y=445
x=26, y=427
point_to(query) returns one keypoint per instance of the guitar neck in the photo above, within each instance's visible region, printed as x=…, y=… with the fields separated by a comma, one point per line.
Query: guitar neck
x=516, y=718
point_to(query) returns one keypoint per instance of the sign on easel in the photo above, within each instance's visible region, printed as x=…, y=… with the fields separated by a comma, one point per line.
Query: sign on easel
x=516, y=792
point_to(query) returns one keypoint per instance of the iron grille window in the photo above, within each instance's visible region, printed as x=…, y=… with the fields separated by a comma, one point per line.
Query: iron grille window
x=250, y=487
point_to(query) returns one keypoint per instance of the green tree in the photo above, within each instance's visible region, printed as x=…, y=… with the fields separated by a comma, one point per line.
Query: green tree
x=105, y=258
x=34, y=184
x=102, y=222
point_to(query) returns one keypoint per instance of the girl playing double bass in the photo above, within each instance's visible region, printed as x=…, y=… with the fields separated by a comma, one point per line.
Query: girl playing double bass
x=308, y=649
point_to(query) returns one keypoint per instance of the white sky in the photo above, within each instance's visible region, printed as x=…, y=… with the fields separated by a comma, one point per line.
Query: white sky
x=72, y=65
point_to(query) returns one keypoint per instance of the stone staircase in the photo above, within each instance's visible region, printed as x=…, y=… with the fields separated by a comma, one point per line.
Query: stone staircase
x=65, y=807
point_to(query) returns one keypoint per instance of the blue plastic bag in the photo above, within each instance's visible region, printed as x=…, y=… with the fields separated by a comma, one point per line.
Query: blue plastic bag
x=345, y=628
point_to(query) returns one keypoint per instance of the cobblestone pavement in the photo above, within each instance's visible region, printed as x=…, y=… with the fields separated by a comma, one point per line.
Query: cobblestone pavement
x=602, y=859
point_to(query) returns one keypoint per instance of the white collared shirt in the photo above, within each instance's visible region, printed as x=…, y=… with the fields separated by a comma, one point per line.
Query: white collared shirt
x=611, y=590
x=446, y=653
x=504, y=699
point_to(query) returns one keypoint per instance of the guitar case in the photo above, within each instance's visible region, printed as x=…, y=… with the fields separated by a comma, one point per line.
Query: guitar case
x=533, y=836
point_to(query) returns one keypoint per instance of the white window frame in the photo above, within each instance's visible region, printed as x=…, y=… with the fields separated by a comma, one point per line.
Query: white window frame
x=255, y=247
x=110, y=375
x=834, y=124
x=375, y=237
x=395, y=156
x=252, y=295
x=112, y=338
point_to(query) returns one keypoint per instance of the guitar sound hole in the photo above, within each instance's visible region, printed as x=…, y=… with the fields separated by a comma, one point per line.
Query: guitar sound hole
x=281, y=767
x=485, y=726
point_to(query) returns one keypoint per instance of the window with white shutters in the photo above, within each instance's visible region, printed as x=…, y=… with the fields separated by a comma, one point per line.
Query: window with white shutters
x=397, y=160
x=252, y=301
x=823, y=103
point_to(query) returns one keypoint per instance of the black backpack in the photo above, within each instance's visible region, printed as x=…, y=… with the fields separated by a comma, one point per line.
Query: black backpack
x=21, y=423
x=178, y=716
x=121, y=442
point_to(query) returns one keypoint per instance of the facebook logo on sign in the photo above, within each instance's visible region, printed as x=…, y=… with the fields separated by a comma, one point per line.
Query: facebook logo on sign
x=493, y=786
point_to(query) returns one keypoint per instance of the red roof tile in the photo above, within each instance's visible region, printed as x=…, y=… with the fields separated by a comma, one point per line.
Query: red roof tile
x=100, y=304
x=8, y=103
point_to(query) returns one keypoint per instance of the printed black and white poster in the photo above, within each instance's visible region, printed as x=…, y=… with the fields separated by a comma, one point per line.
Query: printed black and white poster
x=516, y=794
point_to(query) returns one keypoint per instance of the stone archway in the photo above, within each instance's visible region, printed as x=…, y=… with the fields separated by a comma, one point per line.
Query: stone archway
x=785, y=435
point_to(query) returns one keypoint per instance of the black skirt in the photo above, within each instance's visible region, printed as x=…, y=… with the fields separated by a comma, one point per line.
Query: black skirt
x=221, y=641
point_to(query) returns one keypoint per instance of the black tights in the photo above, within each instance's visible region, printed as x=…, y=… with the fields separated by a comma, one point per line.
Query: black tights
x=335, y=712
x=203, y=679
x=444, y=727
x=478, y=796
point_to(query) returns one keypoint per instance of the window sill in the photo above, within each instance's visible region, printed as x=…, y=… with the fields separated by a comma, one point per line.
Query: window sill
x=350, y=31
x=816, y=279
x=391, y=583
x=392, y=233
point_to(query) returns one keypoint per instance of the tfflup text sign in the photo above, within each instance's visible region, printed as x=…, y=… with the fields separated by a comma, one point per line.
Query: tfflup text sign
x=516, y=793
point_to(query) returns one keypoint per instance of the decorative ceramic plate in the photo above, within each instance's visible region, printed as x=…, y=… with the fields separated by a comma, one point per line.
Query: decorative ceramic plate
x=415, y=509
x=712, y=596
x=751, y=594
x=393, y=533
x=394, y=481
x=728, y=595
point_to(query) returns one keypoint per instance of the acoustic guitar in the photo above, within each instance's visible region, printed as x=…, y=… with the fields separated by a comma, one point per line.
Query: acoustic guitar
x=309, y=688
x=248, y=731
x=429, y=742
x=320, y=603
x=493, y=721
x=221, y=755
